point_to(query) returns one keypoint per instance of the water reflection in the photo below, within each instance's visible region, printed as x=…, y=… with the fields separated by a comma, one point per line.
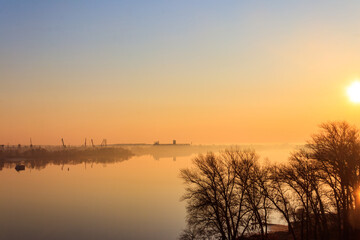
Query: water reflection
x=79, y=198
x=111, y=202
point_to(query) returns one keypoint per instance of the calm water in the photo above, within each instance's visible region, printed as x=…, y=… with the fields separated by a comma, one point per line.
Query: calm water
x=133, y=199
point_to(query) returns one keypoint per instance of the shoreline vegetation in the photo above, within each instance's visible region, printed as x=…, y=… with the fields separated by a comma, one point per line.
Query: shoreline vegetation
x=231, y=196
x=38, y=157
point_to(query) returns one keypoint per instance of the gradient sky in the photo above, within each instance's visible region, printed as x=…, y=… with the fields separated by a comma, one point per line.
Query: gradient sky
x=204, y=71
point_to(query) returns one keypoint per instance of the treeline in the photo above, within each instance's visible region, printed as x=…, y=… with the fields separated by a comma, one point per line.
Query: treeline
x=40, y=152
x=231, y=196
x=38, y=158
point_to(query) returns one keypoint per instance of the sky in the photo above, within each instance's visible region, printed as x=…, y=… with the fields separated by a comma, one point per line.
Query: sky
x=204, y=71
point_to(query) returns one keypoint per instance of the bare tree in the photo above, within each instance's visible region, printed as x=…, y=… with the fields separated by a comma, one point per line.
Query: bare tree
x=221, y=198
x=324, y=178
x=280, y=196
x=301, y=176
x=336, y=149
x=317, y=192
x=251, y=177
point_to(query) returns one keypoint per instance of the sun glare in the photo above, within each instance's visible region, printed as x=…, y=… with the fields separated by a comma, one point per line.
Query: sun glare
x=354, y=92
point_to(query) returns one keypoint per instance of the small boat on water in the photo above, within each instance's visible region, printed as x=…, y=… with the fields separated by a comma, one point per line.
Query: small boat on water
x=19, y=167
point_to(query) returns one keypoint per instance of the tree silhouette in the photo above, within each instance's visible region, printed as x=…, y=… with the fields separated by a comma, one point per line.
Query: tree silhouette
x=223, y=196
x=317, y=192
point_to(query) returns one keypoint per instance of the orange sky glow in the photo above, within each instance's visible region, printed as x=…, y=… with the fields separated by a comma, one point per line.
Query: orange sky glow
x=202, y=76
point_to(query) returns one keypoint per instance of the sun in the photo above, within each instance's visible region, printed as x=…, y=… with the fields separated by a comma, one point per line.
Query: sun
x=354, y=92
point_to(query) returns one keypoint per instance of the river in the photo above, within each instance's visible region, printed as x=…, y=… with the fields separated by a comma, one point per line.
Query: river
x=132, y=199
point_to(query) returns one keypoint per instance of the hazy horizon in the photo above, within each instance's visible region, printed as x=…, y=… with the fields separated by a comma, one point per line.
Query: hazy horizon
x=165, y=143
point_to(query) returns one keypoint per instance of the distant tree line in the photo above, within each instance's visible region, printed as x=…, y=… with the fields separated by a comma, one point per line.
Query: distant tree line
x=231, y=196
x=39, y=158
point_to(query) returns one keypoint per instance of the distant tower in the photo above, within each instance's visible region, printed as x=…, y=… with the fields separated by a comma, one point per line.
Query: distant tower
x=174, y=142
